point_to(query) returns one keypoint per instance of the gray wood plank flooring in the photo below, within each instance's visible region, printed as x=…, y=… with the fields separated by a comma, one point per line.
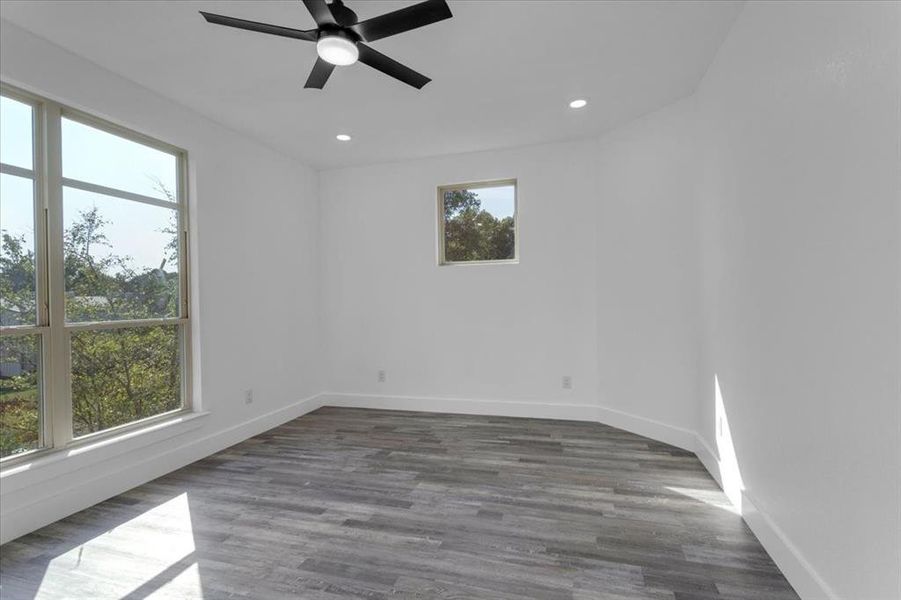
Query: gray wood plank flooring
x=368, y=504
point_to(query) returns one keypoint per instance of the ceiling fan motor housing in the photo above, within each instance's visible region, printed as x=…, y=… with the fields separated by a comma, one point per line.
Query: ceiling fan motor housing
x=343, y=15
x=347, y=34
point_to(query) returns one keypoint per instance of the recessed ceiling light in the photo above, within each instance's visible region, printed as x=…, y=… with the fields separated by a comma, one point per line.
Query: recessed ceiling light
x=578, y=103
x=342, y=137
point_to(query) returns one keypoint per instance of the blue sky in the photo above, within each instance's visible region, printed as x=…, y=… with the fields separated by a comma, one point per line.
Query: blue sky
x=497, y=200
x=97, y=157
x=101, y=158
x=15, y=133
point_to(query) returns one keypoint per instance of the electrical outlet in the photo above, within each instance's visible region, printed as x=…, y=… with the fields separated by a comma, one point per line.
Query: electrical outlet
x=248, y=396
x=567, y=382
x=382, y=376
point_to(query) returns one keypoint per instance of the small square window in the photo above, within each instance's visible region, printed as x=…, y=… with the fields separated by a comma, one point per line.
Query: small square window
x=477, y=222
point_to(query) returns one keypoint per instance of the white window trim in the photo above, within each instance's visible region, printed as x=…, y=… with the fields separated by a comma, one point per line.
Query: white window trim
x=80, y=455
x=56, y=427
x=442, y=189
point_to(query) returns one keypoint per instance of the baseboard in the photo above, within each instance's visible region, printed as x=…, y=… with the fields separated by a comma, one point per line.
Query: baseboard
x=69, y=500
x=643, y=426
x=797, y=570
x=708, y=458
x=64, y=502
x=464, y=406
x=668, y=434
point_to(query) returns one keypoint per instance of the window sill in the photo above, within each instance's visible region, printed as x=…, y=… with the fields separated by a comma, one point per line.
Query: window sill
x=466, y=263
x=84, y=453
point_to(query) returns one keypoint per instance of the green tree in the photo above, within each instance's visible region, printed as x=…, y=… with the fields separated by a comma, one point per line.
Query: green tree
x=19, y=420
x=17, y=281
x=19, y=397
x=118, y=375
x=471, y=233
x=124, y=374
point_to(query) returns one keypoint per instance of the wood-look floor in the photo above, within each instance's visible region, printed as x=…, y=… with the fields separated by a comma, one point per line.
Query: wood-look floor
x=366, y=504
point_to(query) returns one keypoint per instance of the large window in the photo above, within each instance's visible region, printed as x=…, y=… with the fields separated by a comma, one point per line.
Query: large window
x=477, y=222
x=93, y=294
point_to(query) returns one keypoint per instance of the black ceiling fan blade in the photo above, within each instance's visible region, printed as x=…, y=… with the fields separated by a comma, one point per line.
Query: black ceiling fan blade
x=391, y=67
x=309, y=36
x=405, y=19
x=320, y=11
x=320, y=74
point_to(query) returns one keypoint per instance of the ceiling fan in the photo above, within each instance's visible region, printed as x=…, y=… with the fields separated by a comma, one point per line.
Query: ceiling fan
x=340, y=35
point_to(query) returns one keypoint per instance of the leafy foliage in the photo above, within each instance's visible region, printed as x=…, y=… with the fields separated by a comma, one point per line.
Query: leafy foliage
x=118, y=375
x=102, y=286
x=17, y=281
x=122, y=375
x=471, y=233
x=19, y=396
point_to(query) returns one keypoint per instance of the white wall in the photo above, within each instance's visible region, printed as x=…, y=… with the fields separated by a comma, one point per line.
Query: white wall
x=751, y=233
x=256, y=261
x=801, y=207
x=606, y=290
x=449, y=335
x=649, y=329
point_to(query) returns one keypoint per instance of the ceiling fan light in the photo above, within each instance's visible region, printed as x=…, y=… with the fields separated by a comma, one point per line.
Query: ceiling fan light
x=337, y=50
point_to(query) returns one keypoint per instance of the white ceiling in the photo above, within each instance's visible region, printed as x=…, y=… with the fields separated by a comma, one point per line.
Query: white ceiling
x=503, y=71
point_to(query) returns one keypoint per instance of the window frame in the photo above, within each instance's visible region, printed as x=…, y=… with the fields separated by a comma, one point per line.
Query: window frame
x=56, y=429
x=442, y=189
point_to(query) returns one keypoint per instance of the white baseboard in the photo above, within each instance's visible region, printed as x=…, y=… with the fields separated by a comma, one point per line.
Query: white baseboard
x=656, y=430
x=643, y=426
x=60, y=503
x=708, y=458
x=650, y=428
x=797, y=570
x=500, y=408
x=800, y=574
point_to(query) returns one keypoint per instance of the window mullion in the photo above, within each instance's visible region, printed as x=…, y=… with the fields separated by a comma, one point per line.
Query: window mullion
x=59, y=388
x=21, y=171
x=39, y=180
x=184, y=301
x=40, y=217
x=115, y=193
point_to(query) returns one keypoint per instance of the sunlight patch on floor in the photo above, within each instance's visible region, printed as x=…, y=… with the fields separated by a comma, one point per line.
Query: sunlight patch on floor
x=140, y=555
x=711, y=497
x=184, y=585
